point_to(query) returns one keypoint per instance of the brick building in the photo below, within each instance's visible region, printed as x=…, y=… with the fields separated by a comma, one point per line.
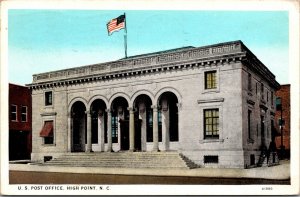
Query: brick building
x=19, y=122
x=213, y=104
x=284, y=94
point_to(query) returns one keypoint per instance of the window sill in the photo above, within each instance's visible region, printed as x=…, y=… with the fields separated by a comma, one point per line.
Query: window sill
x=211, y=141
x=49, y=107
x=207, y=91
x=48, y=145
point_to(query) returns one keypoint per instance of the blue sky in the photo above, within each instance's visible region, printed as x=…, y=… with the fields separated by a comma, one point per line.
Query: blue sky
x=47, y=40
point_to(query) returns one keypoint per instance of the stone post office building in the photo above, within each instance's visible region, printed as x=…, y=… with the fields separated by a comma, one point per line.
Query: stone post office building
x=213, y=104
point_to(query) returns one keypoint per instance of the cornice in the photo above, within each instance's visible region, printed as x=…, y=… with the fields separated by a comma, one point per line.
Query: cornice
x=147, y=64
x=139, y=71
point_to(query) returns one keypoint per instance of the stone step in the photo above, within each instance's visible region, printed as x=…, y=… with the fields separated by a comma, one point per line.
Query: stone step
x=122, y=160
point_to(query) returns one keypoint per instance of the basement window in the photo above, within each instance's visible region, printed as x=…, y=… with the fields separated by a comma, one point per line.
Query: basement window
x=211, y=159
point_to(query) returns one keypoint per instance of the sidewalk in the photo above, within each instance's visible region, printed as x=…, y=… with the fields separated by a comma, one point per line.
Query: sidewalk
x=279, y=172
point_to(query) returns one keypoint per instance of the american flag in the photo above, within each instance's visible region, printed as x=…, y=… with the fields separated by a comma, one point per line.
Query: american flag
x=116, y=24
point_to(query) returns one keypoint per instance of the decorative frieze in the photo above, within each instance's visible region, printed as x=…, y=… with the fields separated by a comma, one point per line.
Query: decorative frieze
x=155, y=59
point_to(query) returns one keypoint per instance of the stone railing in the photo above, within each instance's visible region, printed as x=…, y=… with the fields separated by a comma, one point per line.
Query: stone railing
x=141, y=61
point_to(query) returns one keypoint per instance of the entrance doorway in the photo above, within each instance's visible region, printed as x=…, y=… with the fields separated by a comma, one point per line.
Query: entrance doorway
x=124, y=125
x=137, y=135
x=78, y=127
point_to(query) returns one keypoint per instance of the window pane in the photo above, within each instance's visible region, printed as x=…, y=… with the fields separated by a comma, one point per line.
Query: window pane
x=24, y=118
x=48, y=98
x=13, y=110
x=24, y=109
x=211, y=123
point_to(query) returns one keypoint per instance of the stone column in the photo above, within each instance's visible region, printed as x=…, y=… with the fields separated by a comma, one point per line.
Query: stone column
x=89, y=132
x=165, y=128
x=109, y=139
x=143, y=117
x=155, y=128
x=69, y=137
x=179, y=106
x=131, y=129
x=101, y=130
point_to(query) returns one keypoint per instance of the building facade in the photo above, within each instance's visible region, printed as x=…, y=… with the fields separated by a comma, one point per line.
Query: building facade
x=283, y=119
x=19, y=122
x=213, y=104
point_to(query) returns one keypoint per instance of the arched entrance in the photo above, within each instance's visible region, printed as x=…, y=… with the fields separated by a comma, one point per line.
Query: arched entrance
x=143, y=122
x=78, y=127
x=120, y=122
x=99, y=123
x=168, y=119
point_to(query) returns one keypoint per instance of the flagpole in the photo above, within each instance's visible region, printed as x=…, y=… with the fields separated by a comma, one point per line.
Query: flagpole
x=125, y=37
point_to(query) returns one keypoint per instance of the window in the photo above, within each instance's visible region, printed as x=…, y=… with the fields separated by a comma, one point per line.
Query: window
x=13, y=113
x=272, y=98
x=48, y=98
x=267, y=96
x=278, y=104
x=211, y=123
x=114, y=129
x=256, y=89
x=249, y=124
x=47, y=132
x=24, y=114
x=210, y=80
x=249, y=82
x=95, y=128
x=48, y=140
x=262, y=91
x=211, y=159
x=281, y=122
x=149, y=125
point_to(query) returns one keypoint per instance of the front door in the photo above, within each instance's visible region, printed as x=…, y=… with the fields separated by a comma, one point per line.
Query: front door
x=124, y=125
x=137, y=135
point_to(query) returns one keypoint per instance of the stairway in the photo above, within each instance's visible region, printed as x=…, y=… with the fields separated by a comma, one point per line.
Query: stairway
x=122, y=160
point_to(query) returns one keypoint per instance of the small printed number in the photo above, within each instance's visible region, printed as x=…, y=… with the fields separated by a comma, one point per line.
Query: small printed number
x=267, y=188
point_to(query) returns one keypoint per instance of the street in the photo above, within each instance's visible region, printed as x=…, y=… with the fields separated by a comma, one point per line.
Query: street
x=28, y=177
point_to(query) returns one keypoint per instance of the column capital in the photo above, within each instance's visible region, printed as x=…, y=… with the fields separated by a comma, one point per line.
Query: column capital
x=131, y=109
x=88, y=113
x=108, y=110
x=154, y=107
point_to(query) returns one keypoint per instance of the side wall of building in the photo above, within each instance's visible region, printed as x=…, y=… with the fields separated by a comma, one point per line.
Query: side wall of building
x=258, y=112
x=20, y=125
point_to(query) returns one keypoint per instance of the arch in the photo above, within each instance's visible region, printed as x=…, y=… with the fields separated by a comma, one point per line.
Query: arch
x=79, y=125
x=140, y=92
x=97, y=107
x=97, y=97
x=119, y=94
x=167, y=89
x=74, y=100
x=168, y=99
